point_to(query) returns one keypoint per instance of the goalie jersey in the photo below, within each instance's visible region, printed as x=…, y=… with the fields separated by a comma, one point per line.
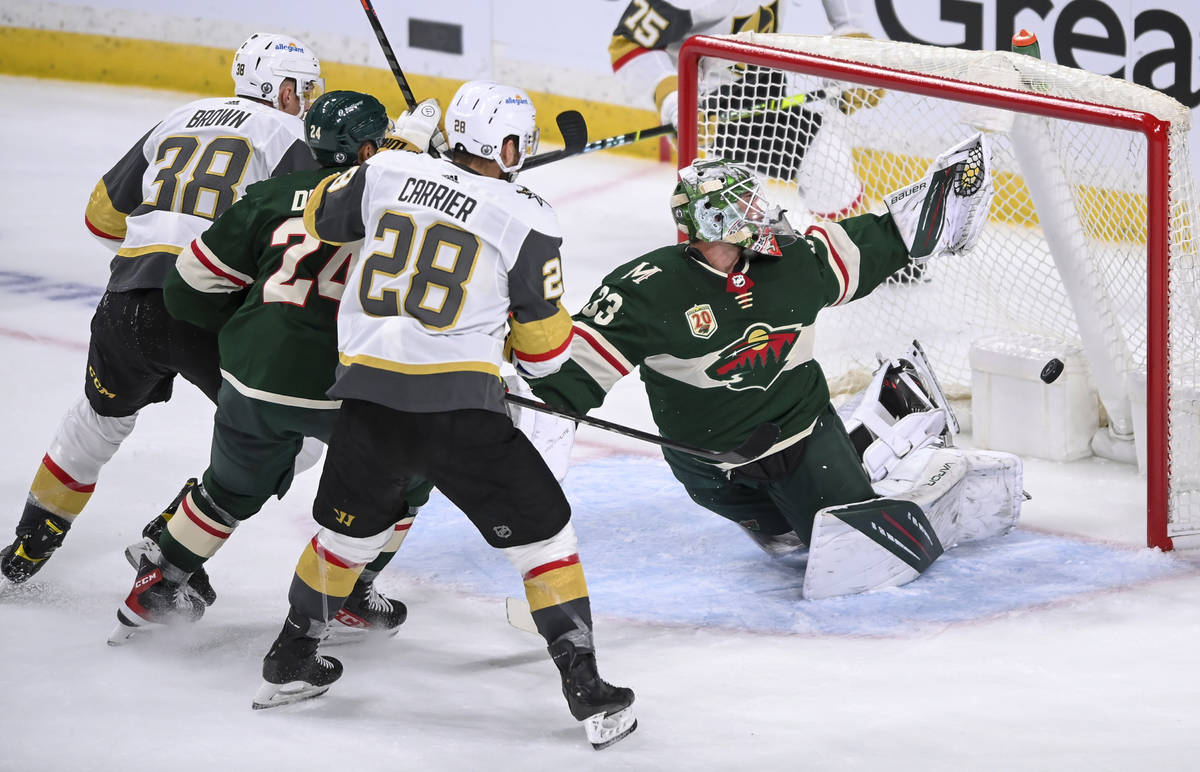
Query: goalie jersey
x=452, y=261
x=722, y=353
x=182, y=174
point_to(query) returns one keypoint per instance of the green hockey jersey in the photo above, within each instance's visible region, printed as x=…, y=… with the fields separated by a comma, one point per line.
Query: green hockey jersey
x=722, y=353
x=271, y=290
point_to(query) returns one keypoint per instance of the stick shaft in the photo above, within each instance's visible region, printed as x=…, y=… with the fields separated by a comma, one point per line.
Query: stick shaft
x=389, y=54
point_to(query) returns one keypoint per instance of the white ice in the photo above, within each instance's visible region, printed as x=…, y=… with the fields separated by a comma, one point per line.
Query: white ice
x=1064, y=646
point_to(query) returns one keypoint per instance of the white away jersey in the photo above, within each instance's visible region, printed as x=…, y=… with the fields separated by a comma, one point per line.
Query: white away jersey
x=451, y=261
x=184, y=172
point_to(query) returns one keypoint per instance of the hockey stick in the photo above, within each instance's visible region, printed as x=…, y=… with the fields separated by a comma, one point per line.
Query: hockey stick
x=389, y=54
x=574, y=132
x=760, y=440
x=600, y=144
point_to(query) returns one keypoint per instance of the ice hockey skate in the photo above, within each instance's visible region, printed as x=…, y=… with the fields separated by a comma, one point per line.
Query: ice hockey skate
x=366, y=613
x=294, y=671
x=148, y=547
x=606, y=711
x=154, y=601
x=39, y=534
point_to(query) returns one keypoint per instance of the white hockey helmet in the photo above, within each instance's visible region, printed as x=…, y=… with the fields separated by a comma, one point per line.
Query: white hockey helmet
x=265, y=60
x=482, y=114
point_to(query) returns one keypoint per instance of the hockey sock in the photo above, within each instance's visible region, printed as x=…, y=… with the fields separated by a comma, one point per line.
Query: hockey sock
x=198, y=530
x=558, y=598
x=322, y=582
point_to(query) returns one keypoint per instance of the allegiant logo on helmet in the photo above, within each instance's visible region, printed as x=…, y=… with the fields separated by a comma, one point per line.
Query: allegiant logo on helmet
x=292, y=47
x=520, y=100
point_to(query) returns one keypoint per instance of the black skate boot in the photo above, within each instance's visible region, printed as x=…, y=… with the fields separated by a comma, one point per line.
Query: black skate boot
x=293, y=670
x=605, y=710
x=39, y=533
x=155, y=600
x=366, y=611
x=148, y=546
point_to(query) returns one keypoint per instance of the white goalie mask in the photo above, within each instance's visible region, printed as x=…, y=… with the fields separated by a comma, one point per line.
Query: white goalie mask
x=266, y=60
x=483, y=114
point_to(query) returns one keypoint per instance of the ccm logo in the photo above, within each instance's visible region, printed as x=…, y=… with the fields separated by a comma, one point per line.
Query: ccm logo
x=149, y=578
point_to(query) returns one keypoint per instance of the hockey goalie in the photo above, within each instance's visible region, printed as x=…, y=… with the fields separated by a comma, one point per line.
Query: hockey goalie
x=932, y=495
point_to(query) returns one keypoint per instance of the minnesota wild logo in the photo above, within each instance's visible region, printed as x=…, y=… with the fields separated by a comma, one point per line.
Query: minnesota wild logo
x=757, y=359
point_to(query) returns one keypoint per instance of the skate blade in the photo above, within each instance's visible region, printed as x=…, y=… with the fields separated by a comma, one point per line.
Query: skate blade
x=122, y=633
x=604, y=730
x=271, y=695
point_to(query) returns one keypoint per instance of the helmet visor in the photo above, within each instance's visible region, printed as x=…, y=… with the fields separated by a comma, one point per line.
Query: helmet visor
x=753, y=221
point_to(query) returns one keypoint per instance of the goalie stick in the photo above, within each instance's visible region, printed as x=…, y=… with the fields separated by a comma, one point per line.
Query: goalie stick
x=760, y=440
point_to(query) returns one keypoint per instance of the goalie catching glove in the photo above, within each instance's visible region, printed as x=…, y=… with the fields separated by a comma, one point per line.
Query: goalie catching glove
x=945, y=212
x=419, y=128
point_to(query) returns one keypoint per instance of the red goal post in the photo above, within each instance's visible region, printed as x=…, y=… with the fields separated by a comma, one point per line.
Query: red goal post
x=1096, y=216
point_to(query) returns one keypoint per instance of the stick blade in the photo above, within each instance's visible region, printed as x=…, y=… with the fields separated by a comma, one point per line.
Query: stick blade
x=574, y=131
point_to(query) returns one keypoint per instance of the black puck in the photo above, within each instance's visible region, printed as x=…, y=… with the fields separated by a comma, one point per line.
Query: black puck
x=1052, y=370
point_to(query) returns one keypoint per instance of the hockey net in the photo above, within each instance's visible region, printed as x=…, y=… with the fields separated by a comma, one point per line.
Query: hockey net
x=1090, y=239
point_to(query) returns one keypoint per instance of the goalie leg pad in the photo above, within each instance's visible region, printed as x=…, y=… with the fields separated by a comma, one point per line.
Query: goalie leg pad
x=867, y=546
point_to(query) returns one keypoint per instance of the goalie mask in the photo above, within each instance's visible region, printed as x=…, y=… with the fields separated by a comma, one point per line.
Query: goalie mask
x=482, y=114
x=339, y=122
x=717, y=200
x=265, y=61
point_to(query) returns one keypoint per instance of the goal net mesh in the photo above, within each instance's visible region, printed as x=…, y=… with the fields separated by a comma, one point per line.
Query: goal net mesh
x=1064, y=257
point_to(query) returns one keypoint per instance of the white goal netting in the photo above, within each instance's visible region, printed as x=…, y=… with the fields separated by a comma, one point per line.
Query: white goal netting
x=1080, y=248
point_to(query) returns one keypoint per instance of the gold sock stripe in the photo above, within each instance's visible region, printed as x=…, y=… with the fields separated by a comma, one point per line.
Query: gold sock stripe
x=325, y=572
x=398, y=535
x=555, y=583
x=58, y=492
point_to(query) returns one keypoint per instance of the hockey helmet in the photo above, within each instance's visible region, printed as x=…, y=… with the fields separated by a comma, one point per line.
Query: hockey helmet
x=482, y=114
x=265, y=60
x=718, y=200
x=339, y=122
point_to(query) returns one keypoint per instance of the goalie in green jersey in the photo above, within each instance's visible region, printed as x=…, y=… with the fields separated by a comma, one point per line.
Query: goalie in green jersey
x=721, y=328
x=271, y=292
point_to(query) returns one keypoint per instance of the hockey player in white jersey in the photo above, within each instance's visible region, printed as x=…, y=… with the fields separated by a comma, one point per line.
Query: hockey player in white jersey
x=177, y=178
x=644, y=51
x=459, y=272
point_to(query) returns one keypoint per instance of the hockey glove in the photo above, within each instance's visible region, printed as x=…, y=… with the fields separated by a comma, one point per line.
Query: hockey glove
x=946, y=211
x=419, y=128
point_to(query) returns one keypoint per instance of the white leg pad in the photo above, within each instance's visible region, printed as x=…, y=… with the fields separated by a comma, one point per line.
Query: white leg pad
x=958, y=495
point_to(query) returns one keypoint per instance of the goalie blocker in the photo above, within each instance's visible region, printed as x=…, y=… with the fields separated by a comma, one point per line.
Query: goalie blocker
x=933, y=496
